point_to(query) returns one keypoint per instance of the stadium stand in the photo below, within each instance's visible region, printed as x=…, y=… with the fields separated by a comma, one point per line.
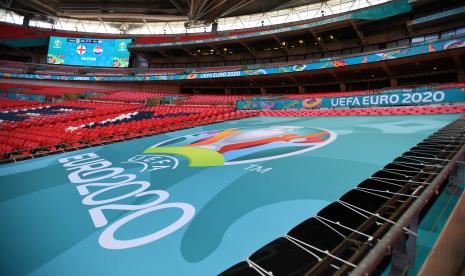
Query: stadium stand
x=7, y=104
x=73, y=124
x=210, y=100
x=12, y=67
x=51, y=128
x=129, y=96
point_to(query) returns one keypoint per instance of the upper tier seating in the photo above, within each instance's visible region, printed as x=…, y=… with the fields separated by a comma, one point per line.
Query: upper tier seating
x=130, y=96
x=211, y=100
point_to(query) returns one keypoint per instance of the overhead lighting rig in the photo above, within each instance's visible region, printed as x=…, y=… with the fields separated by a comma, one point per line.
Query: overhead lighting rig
x=191, y=24
x=43, y=18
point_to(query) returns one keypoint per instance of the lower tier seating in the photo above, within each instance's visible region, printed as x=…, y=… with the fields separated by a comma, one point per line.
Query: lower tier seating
x=130, y=96
x=75, y=124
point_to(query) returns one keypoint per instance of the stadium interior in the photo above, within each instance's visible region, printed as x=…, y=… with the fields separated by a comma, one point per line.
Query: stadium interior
x=222, y=137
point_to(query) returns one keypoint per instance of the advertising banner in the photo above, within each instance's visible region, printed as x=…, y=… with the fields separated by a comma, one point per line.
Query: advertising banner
x=393, y=99
x=30, y=97
x=278, y=104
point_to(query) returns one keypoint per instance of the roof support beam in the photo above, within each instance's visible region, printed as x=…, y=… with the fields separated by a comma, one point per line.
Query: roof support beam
x=38, y=5
x=217, y=83
x=320, y=42
x=238, y=6
x=127, y=16
x=386, y=69
x=291, y=78
x=334, y=74
x=195, y=8
x=248, y=48
x=177, y=6
x=217, y=50
x=191, y=5
x=360, y=34
x=6, y=3
x=23, y=51
x=189, y=53
x=457, y=61
x=392, y=78
x=212, y=5
x=283, y=47
x=208, y=84
x=165, y=55
x=253, y=81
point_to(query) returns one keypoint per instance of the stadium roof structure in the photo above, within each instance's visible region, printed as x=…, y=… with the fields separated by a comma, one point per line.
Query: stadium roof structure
x=171, y=16
x=154, y=10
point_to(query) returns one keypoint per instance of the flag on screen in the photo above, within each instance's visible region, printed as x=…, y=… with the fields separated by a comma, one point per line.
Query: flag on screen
x=81, y=49
x=98, y=50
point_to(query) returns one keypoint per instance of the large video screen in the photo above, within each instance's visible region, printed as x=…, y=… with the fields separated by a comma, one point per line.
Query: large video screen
x=88, y=51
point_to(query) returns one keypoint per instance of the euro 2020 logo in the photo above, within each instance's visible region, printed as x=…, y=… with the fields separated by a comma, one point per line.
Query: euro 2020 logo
x=243, y=145
x=209, y=148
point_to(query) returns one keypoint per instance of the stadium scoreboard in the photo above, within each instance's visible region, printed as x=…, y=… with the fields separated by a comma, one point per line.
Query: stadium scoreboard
x=96, y=52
